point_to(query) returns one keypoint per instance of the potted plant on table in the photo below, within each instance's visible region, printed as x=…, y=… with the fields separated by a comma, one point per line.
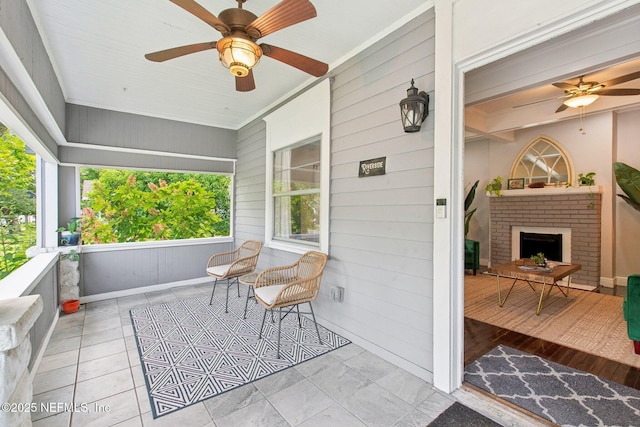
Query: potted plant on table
x=539, y=259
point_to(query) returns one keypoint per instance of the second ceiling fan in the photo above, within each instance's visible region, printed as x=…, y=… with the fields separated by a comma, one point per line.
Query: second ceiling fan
x=584, y=93
x=240, y=29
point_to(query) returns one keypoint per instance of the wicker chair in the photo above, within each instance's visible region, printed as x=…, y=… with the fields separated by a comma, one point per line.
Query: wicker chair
x=289, y=286
x=233, y=264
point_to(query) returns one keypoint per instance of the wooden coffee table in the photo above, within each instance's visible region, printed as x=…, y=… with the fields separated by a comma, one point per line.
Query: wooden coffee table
x=528, y=272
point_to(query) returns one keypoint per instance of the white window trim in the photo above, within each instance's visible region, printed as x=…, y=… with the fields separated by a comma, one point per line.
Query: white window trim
x=303, y=118
x=146, y=244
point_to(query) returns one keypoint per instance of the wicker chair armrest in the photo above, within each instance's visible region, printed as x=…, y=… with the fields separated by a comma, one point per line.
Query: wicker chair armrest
x=276, y=276
x=244, y=265
x=222, y=258
x=298, y=291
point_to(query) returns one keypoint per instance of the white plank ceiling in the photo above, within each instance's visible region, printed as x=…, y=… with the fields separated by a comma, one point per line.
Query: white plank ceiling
x=97, y=48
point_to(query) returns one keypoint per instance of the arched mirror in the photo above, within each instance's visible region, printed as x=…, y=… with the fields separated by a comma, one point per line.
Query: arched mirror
x=542, y=160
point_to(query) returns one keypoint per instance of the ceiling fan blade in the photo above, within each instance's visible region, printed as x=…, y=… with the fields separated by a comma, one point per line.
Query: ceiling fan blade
x=563, y=85
x=282, y=15
x=163, y=55
x=200, y=12
x=245, y=84
x=561, y=108
x=301, y=62
x=618, y=92
x=621, y=79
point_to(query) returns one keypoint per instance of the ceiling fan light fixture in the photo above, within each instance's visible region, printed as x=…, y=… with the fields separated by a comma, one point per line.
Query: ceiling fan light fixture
x=581, y=100
x=239, y=55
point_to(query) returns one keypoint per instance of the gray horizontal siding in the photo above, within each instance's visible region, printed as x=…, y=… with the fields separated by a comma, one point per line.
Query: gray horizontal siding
x=100, y=127
x=47, y=288
x=381, y=228
x=18, y=25
x=121, y=270
x=13, y=96
x=249, y=183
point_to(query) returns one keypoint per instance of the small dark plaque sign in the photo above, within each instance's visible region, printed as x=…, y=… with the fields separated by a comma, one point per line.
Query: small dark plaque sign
x=373, y=167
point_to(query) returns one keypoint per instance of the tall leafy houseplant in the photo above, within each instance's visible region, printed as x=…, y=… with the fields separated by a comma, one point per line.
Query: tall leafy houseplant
x=468, y=214
x=628, y=179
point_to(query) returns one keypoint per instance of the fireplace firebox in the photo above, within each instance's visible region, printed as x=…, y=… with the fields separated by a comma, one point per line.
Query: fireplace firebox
x=549, y=244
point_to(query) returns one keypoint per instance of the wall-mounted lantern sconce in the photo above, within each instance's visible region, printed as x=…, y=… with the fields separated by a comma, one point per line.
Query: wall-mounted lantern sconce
x=414, y=109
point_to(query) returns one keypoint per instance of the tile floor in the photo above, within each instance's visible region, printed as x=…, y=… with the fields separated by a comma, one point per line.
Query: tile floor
x=90, y=375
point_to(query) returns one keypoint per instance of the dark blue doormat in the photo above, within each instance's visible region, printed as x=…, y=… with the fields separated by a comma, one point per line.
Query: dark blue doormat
x=191, y=351
x=560, y=394
x=458, y=415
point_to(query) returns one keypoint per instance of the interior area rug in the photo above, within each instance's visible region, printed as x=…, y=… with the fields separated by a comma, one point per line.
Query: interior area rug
x=587, y=321
x=459, y=415
x=560, y=394
x=191, y=351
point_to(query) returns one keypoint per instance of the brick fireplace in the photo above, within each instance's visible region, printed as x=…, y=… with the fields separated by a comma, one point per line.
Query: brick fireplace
x=576, y=209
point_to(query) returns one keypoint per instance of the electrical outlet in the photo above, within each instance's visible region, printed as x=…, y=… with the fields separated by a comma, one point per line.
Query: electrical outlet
x=337, y=293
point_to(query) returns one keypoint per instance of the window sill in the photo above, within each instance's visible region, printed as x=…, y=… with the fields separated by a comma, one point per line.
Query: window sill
x=107, y=247
x=290, y=247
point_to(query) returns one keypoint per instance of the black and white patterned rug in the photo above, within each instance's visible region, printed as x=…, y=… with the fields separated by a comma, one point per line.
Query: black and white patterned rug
x=191, y=351
x=560, y=394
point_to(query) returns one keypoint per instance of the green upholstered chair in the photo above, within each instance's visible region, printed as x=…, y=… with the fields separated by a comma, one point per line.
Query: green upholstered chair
x=471, y=255
x=631, y=310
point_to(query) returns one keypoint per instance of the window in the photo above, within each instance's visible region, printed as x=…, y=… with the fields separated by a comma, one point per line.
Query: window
x=297, y=173
x=133, y=206
x=296, y=193
x=17, y=201
x=543, y=161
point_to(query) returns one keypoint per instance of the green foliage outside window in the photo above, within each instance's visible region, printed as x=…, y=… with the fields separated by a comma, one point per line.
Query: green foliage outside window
x=17, y=201
x=133, y=206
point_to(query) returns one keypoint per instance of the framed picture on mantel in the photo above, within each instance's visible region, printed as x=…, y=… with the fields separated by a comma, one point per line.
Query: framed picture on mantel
x=515, y=184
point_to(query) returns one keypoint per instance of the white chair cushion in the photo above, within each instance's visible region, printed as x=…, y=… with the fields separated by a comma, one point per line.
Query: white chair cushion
x=268, y=294
x=219, y=270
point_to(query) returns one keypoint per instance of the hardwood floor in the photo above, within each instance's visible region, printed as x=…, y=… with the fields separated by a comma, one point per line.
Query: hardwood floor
x=481, y=337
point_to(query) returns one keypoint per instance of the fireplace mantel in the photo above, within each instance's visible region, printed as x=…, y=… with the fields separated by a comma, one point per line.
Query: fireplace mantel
x=551, y=191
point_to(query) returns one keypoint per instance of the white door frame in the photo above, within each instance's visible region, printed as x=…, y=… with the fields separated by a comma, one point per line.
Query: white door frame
x=448, y=294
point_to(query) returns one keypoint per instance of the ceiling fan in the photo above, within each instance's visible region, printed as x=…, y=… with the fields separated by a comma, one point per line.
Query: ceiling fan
x=240, y=29
x=584, y=93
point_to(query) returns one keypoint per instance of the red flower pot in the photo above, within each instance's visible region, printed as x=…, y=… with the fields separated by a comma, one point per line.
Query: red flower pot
x=70, y=306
